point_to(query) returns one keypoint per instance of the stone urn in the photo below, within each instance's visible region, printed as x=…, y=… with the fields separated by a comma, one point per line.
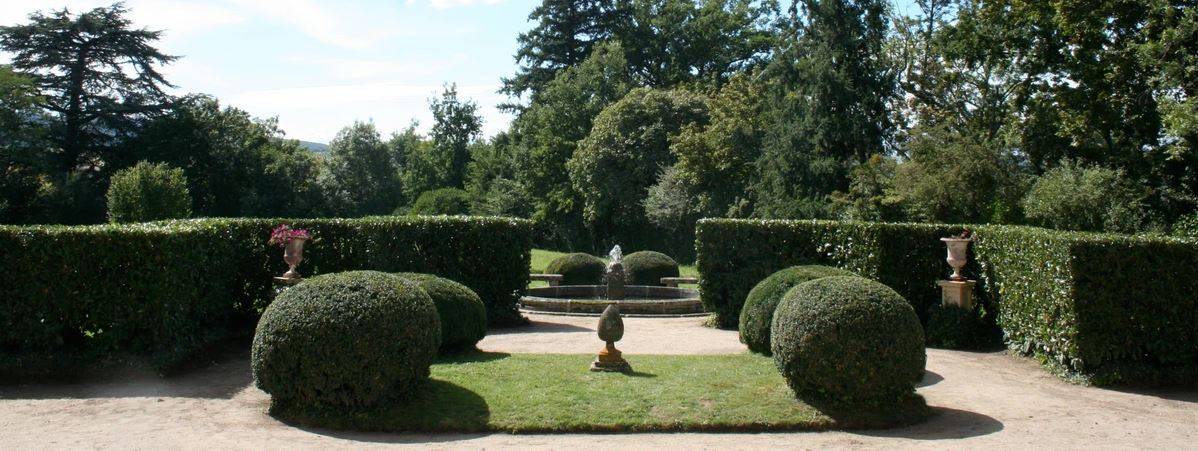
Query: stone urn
x=611, y=330
x=958, y=255
x=293, y=254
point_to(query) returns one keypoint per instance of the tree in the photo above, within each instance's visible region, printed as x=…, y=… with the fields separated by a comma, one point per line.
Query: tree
x=622, y=156
x=456, y=124
x=548, y=132
x=95, y=73
x=564, y=36
x=828, y=105
x=491, y=180
x=1075, y=197
x=148, y=192
x=22, y=141
x=361, y=177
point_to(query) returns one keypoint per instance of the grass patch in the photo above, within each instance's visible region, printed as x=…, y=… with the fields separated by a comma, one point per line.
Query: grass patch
x=541, y=259
x=556, y=393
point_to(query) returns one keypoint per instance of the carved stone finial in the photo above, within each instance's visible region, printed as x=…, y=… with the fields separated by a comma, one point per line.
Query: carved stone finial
x=611, y=330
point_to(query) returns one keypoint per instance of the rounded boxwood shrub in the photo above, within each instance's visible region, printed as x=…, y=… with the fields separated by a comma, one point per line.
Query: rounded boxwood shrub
x=758, y=310
x=578, y=269
x=348, y=339
x=463, y=315
x=444, y=201
x=848, y=340
x=648, y=267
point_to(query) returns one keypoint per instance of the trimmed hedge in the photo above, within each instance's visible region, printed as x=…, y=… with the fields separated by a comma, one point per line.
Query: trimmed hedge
x=848, y=340
x=578, y=269
x=648, y=267
x=1102, y=308
x=758, y=310
x=351, y=339
x=463, y=316
x=166, y=289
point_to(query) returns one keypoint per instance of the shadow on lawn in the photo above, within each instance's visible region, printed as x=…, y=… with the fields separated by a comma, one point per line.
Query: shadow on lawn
x=439, y=406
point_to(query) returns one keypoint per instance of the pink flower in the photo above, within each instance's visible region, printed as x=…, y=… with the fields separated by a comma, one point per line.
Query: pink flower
x=283, y=234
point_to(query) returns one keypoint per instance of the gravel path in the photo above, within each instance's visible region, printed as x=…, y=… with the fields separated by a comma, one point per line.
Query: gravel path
x=988, y=400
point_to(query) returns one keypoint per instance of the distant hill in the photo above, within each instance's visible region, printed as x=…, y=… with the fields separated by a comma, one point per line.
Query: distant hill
x=315, y=147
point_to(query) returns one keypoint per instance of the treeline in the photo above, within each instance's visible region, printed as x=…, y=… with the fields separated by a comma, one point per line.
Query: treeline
x=634, y=118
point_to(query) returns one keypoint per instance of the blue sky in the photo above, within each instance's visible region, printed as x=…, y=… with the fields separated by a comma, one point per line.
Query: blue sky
x=318, y=65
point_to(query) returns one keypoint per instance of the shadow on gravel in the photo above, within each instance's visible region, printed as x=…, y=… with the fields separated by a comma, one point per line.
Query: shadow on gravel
x=929, y=378
x=945, y=424
x=540, y=327
x=1183, y=394
x=223, y=374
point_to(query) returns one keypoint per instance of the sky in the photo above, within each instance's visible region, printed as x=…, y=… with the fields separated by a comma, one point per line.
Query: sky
x=319, y=65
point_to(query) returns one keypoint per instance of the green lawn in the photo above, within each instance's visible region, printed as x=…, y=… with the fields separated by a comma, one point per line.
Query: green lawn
x=557, y=393
x=541, y=259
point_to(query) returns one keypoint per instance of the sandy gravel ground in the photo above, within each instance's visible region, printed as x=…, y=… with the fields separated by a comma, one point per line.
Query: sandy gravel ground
x=989, y=400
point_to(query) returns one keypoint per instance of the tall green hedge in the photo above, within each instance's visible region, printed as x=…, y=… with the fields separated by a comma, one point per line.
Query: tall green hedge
x=165, y=289
x=1103, y=308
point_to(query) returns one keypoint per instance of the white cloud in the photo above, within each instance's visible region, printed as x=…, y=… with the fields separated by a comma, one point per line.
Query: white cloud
x=446, y=4
x=370, y=68
x=315, y=113
x=177, y=17
x=336, y=27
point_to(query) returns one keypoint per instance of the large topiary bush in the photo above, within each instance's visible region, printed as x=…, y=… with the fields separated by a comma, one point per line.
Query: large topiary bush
x=848, y=341
x=148, y=192
x=444, y=201
x=648, y=267
x=348, y=339
x=463, y=315
x=758, y=311
x=578, y=269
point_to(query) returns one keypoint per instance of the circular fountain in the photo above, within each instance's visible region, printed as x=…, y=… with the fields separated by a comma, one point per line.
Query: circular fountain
x=635, y=300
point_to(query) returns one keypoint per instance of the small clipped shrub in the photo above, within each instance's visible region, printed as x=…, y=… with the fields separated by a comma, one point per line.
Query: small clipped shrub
x=444, y=201
x=648, y=267
x=578, y=269
x=148, y=192
x=846, y=340
x=463, y=315
x=351, y=339
x=758, y=311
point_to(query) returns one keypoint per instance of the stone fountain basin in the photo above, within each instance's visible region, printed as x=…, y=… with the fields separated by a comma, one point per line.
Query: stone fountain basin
x=591, y=300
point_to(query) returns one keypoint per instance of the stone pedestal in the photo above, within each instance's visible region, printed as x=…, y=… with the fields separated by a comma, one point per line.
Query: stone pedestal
x=957, y=292
x=610, y=360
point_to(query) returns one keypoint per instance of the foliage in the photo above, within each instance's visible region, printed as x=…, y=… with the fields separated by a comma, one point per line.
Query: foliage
x=456, y=124
x=309, y=347
x=578, y=269
x=648, y=267
x=95, y=73
x=1186, y=226
x=114, y=289
x=848, y=340
x=21, y=138
x=953, y=327
x=491, y=180
x=444, y=201
x=148, y=192
x=827, y=104
x=462, y=313
x=1072, y=197
x=629, y=144
x=490, y=392
x=361, y=176
x=871, y=195
x=1066, y=297
x=236, y=165
x=757, y=313
x=953, y=178
x=549, y=130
